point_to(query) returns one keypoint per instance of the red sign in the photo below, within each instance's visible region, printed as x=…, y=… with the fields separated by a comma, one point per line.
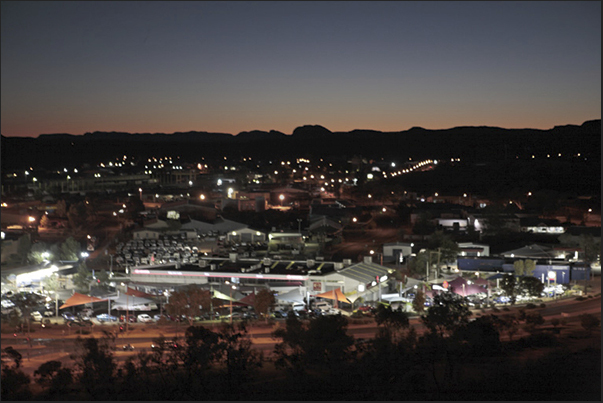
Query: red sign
x=445, y=284
x=317, y=286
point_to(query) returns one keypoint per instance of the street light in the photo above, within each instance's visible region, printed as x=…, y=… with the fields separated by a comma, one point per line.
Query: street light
x=282, y=197
x=140, y=191
x=232, y=287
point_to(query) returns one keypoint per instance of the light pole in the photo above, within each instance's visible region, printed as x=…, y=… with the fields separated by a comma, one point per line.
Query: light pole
x=232, y=287
x=282, y=197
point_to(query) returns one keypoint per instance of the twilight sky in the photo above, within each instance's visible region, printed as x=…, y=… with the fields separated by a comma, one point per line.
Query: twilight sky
x=76, y=67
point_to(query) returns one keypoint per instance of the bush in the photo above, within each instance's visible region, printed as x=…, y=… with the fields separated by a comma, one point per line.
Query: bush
x=535, y=340
x=82, y=331
x=530, y=306
x=580, y=298
x=505, y=309
x=589, y=322
x=543, y=305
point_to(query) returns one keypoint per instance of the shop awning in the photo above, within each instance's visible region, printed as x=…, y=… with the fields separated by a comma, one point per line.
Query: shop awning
x=334, y=295
x=80, y=299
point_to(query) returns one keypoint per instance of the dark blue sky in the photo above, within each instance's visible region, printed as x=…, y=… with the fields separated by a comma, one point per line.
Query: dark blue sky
x=76, y=67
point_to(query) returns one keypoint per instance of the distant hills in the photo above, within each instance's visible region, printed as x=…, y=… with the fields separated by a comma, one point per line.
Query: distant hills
x=470, y=143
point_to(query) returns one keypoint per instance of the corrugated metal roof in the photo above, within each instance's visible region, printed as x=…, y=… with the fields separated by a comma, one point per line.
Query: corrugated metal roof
x=364, y=272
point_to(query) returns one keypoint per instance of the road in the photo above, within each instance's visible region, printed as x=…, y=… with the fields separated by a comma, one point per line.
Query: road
x=50, y=344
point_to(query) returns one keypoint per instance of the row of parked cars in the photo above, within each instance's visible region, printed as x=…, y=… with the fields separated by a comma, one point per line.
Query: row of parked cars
x=142, y=252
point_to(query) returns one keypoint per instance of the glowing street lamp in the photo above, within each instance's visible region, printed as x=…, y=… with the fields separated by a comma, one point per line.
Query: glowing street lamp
x=232, y=287
x=282, y=197
x=140, y=191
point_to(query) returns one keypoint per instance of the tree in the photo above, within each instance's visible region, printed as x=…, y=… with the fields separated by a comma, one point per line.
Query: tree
x=481, y=335
x=61, y=210
x=589, y=322
x=81, y=279
x=77, y=215
x=393, y=321
x=534, y=319
x=70, y=249
x=52, y=375
x=530, y=286
x=322, y=343
x=36, y=253
x=189, y=301
x=418, y=304
x=96, y=364
x=44, y=221
x=264, y=301
x=494, y=220
x=418, y=264
x=529, y=267
x=51, y=283
x=446, y=248
x=509, y=285
x=14, y=382
x=519, y=267
x=241, y=358
x=23, y=248
x=389, y=318
x=103, y=279
x=424, y=225
x=448, y=312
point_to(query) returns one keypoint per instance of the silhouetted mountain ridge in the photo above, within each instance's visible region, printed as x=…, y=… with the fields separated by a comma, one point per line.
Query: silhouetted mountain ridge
x=472, y=143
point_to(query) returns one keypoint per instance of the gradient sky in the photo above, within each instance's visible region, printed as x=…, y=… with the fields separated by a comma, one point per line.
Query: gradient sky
x=77, y=67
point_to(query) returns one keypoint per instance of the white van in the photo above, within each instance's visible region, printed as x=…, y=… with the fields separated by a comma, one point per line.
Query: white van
x=299, y=306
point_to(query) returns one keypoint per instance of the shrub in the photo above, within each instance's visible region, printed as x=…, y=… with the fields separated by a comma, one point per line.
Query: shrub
x=504, y=309
x=589, y=322
x=580, y=298
x=530, y=306
x=543, y=305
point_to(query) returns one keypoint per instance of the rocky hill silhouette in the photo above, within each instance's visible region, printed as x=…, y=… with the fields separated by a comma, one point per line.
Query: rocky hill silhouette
x=471, y=143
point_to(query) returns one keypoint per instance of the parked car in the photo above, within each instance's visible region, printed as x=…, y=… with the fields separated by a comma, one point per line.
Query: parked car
x=69, y=317
x=128, y=347
x=104, y=317
x=48, y=314
x=37, y=316
x=145, y=318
